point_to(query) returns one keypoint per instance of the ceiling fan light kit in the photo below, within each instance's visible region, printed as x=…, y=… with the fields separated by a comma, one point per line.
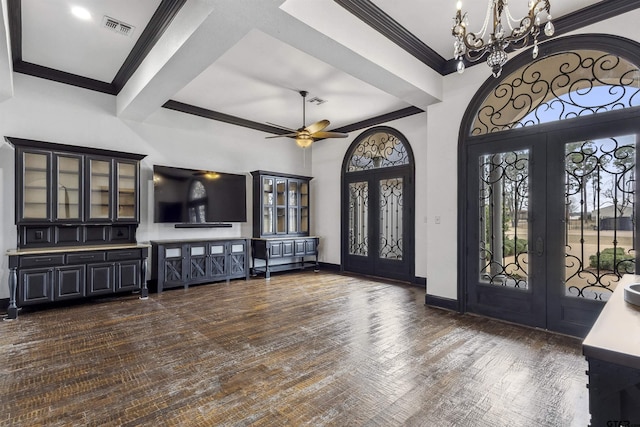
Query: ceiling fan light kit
x=306, y=135
x=506, y=31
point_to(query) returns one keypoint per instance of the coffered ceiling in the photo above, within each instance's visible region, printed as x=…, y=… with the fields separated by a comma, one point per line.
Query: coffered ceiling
x=244, y=61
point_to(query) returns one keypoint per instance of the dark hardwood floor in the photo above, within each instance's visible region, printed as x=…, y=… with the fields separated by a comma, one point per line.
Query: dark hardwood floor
x=301, y=349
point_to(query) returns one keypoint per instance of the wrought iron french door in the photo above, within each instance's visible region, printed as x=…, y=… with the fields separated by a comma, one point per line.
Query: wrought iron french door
x=551, y=224
x=379, y=224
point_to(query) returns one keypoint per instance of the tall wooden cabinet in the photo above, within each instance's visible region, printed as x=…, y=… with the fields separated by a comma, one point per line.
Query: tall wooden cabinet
x=281, y=222
x=77, y=212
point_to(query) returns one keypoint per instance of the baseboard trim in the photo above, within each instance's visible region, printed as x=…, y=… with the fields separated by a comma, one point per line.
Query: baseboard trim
x=4, y=305
x=325, y=266
x=441, y=302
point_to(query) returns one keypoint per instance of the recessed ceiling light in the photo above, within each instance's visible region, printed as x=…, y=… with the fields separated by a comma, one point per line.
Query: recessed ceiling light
x=81, y=13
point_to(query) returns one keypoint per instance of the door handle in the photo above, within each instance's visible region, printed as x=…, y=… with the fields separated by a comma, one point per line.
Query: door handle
x=539, y=246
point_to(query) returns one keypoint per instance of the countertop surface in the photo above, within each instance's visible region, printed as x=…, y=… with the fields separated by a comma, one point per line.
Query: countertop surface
x=57, y=249
x=615, y=337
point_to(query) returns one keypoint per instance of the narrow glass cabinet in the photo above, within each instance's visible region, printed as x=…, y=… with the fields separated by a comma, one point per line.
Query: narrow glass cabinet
x=36, y=187
x=99, y=190
x=281, y=208
x=68, y=178
x=126, y=194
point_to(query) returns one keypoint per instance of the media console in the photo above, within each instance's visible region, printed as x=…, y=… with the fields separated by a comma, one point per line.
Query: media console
x=180, y=263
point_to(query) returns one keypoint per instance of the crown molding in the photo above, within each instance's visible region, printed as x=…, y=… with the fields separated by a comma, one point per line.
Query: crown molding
x=162, y=17
x=378, y=120
x=373, y=16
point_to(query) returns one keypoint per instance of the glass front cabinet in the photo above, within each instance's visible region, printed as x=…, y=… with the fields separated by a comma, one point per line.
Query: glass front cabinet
x=69, y=195
x=281, y=205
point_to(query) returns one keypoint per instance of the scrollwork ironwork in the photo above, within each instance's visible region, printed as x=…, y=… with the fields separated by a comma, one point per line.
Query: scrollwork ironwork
x=378, y=150
x=504, y=201
x=557, y=87
x=599, y=175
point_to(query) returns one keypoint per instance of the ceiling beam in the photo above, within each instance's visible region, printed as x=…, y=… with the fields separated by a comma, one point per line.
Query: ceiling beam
x=6, y=64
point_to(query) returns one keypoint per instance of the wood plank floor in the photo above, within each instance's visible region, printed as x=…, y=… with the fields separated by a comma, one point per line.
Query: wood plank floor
x=306, y=348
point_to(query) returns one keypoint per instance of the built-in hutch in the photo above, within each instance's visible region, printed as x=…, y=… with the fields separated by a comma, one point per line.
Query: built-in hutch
x=281, y=213
x=77, y=212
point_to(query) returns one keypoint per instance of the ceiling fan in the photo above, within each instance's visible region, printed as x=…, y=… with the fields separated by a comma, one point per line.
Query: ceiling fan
x=307, y=134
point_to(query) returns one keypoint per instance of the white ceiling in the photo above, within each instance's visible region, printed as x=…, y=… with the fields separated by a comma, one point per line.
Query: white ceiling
x=250, y=58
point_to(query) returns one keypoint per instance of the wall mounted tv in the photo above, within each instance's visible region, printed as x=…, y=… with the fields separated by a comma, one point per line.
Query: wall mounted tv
x=189, y=196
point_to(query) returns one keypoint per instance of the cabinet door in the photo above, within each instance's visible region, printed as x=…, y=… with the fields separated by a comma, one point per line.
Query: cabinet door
x=293, y=206
x=237, y=258
x=99, y=190
x=268, y=205
x=69, y=282
x=173, y=269
x=217, y=260
x=287, y=248
x=126, y=191
x=100, y=279
x=311, y=246
x=127, y=275
x=34, y=196
x=198, y=261
x=281, y=206
x=304, y=207
x=67, y=175
x=35, y=285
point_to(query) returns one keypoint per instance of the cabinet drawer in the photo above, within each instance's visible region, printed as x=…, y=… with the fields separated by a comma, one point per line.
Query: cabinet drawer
x=124, y=254
x=41, y=260
x=85, y=257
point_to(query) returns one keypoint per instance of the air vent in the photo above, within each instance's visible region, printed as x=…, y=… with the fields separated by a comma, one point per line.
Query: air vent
x=317, y=101
x=117, y=26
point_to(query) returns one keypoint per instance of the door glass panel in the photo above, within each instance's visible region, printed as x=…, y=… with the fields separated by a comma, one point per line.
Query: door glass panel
x=504, y=223
x=599, y=215
x=99, y=189
x=358, y=218
x=126, y=190
x=391, y=218
x=68, y=187
x=36, y=183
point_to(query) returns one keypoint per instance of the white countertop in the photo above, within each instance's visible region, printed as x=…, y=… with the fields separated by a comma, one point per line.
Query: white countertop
x=615, y=337
x=57, y=249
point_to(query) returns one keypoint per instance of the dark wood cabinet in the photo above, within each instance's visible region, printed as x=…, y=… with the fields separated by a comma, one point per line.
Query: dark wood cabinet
x=180, y=263
x=68, y=195
x=613, y=352
x=281, y=223
x=77, y=212
x=40, y=276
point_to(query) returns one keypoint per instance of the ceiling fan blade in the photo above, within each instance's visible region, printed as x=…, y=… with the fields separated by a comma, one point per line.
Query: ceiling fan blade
x=281, y=127
x=322, y=135
x=288, y=135
x=317, y=126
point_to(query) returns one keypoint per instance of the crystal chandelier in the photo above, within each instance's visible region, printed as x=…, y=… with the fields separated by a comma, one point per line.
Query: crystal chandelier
x=516, y=34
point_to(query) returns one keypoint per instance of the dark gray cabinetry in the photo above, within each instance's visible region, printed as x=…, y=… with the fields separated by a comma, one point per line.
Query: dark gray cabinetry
x=180, y=263
x=41, y=276
x=281, y=223
x=295, y=253
x=612, y=351
x=68, y=195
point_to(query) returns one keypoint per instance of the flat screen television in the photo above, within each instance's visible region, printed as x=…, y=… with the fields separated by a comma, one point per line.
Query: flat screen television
x=189, y=196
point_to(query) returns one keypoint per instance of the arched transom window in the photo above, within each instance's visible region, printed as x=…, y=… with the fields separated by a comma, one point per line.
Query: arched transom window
x=379, y=149
x=557, y=87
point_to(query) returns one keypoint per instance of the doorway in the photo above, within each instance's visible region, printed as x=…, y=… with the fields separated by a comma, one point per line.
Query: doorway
x=378, y=206
x=548, y=168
